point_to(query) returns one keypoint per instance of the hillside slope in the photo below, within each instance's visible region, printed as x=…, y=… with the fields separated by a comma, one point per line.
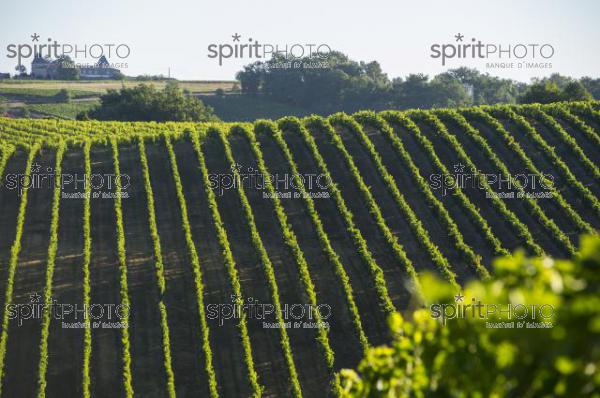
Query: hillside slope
x=341, y=212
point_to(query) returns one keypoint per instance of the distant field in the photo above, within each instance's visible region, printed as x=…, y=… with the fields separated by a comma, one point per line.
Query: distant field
x=63, y=110
x=42, y=92
x=100, y=86
x=37, y=96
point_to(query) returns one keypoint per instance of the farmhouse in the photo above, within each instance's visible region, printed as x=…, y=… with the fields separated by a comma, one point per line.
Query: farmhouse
x=44, y=68
x=102, y=70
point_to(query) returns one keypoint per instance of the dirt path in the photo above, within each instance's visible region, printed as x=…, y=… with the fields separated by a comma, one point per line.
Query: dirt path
x=106, y=364
x=65, y=345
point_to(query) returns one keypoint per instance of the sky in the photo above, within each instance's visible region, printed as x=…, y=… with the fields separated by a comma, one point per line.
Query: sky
x=398, y=34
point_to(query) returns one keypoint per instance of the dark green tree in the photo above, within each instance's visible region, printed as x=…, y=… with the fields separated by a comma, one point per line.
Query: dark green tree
x=592, y=85
x=486, y=89
x=146, y=103
x=66, y=68
x=250, y=78
x=575, y=91
x=543, y=92
x=63, y=95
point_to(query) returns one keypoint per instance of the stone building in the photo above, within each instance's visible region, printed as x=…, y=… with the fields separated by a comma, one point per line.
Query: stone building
x=44, y=68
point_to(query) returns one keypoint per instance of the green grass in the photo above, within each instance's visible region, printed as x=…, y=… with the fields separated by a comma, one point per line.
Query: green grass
x=43, y=92
x=62, y=110
x=100, y=86
x=236, y=107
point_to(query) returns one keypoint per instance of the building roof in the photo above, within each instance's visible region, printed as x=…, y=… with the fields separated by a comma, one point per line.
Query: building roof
x=103, y=62
x=38, y=59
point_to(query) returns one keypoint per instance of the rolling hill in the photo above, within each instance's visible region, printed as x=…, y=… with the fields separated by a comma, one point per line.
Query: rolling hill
x=214, y=235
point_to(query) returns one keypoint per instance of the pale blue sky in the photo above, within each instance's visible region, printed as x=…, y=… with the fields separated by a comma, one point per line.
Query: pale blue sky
x=398, y=34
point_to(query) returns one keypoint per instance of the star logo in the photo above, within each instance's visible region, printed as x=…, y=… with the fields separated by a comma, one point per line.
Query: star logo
x=34, y=297
x=236, y=299
x=236, y=167
x=459, y=37
x=459, y=168
x=35, y=168
x=236, y=37
x=459, y=298
x=35, y=37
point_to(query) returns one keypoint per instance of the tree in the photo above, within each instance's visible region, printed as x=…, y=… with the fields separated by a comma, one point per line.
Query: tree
x=63, y=95
x=21, y=69
x=66, y=68
x=560, y=80
x=146, y=103
x=250, y=78
x=592, y=85
x=443, y=352
x=575, y=91
x=342, y=84
x=549, y=90
x=413, y=92
x=321, y=85
x=448, y=92
x=543, y=92
x=486, y=89
x=374, y=72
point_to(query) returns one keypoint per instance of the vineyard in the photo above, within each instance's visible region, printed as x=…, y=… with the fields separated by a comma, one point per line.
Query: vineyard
x=199, y=241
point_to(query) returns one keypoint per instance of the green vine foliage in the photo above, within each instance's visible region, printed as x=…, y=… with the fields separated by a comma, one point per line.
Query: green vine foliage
x=466, y=358
x=268, y=268
x=294, y=125
x=14, y=258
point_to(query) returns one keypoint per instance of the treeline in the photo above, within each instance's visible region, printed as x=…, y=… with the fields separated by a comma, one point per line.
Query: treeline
x=339, y=83
x=144, y=102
